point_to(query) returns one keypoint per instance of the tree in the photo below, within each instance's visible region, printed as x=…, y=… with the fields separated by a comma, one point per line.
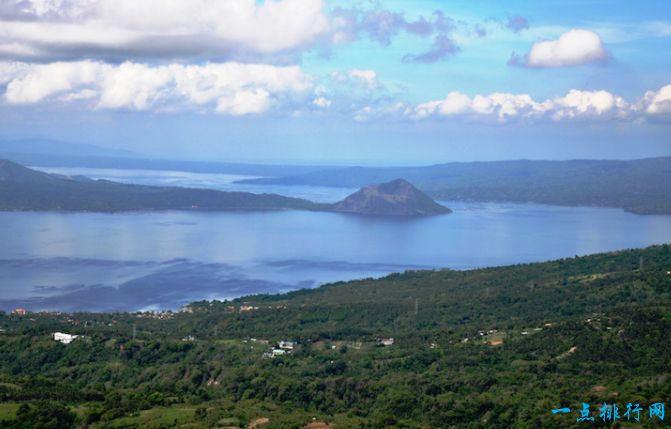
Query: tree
x=44, y=415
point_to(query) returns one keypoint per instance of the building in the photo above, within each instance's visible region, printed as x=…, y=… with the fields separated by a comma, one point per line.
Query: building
x=274, y=353
x=387, y=342
x=287, y=345
x=279, y=352
x=64, y=338
x=20, y=311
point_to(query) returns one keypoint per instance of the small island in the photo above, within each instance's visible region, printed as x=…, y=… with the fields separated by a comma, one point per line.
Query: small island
x=396, y=198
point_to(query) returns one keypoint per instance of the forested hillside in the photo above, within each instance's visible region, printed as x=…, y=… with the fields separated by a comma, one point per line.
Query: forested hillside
x=486, y=348
x=635, y=185
x=22, y=189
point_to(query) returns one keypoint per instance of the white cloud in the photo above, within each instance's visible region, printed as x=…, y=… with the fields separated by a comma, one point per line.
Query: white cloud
x=498, y=105
x=9, y=71
x=44, y=29
x=576, y=104
x=238, y=89
x=37, y=82
x=574, y=47
x=504, y=107
x=321, y=102
x=361, y=77
x=369, y=77
x=657, y=102
x=244, y=102
x=588, y=103
x=231, y=88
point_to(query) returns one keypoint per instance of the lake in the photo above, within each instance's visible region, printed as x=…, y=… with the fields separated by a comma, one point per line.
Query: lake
x=162, y=260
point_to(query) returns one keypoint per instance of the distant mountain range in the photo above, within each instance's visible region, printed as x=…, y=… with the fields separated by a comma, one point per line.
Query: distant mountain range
x=22, y=188
x=639, y=186
x=32, y=146
x=54, y=153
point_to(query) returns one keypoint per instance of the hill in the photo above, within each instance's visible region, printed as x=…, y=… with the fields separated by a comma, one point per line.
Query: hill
x=637, y=186
x=11, y=172
x=487, y=348
x=24, y=189
x=395, y=198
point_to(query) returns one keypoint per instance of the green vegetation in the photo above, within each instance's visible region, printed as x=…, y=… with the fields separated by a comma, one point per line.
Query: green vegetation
x=24, y=189
x=486, y=348
x=631, y=185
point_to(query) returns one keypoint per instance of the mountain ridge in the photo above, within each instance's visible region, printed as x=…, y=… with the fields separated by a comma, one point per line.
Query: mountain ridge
x=43, y=146
x=22, y=188
x=632, y=185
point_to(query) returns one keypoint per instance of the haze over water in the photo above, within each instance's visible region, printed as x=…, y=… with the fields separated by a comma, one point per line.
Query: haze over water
x=133, y=261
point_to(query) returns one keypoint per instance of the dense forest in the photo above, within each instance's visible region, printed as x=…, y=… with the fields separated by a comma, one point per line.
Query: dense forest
x=630, y=185
x=486, y=348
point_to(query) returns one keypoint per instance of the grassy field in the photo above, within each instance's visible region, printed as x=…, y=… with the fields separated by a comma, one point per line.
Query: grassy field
x=8, y=410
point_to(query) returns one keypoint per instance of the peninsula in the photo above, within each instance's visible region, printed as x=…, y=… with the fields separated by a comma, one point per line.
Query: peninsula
x=25, y=189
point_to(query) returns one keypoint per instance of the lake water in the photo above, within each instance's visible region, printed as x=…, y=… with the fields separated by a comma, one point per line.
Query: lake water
x=133, y=261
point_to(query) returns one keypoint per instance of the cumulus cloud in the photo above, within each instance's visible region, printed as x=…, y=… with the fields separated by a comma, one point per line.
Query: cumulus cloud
x=576, y=104
x=365, y=78
x=123, y=29
x=658, y=102
x=274, y=31
x=368, y=77
x=499, y=105
x=234, y=88
x=589, y=103
x=229, y=88
x=572, y=48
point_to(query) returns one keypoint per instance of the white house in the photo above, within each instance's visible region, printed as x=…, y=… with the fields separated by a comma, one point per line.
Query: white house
x=64, y=338
x=287, y=345
x=279, y=352
x=387, y=342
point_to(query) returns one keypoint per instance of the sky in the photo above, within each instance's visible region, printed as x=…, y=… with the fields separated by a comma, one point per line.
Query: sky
x=341, y=82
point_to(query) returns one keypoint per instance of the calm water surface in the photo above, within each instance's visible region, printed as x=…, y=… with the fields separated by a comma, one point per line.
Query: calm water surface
x=131, y=261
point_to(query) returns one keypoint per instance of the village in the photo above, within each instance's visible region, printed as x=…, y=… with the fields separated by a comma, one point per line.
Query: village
x=269, y=349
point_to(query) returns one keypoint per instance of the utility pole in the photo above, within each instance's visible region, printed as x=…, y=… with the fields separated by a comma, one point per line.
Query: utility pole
x=134, y=331
x=416, y=306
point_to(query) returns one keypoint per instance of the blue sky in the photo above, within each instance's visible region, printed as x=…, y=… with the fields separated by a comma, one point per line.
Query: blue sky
x=341, y=82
